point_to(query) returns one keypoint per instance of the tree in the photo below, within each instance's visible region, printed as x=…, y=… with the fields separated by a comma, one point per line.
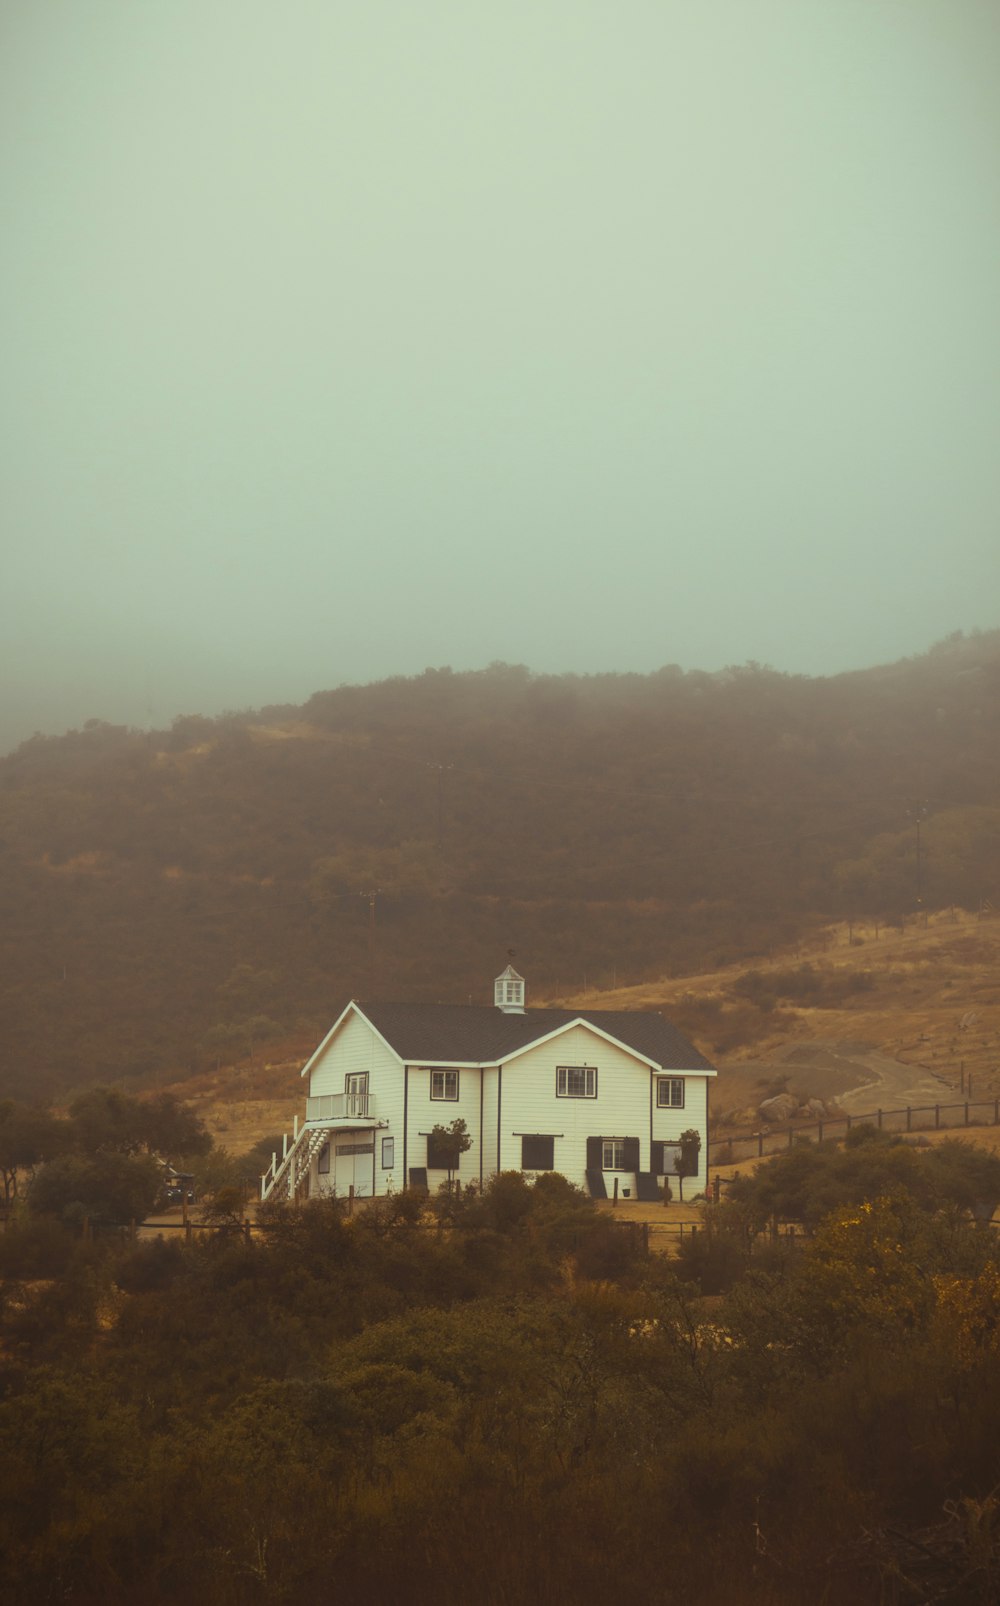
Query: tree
x=171, y=1129
x=450, y=1143
x=27, y=1136
x=106, y=1188
x=686, y=1164
x=250, y=993
x=106, y=1121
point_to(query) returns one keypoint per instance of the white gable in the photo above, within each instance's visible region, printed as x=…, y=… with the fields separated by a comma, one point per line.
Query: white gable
x=353, y=1012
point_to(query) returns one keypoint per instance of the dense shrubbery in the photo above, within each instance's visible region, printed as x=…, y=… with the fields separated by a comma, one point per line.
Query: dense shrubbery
x=509, y=1403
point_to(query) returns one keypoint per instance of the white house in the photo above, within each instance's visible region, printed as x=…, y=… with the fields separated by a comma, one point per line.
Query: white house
x=599, y=1095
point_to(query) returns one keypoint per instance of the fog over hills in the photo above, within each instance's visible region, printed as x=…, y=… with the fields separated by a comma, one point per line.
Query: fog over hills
x=343, y=340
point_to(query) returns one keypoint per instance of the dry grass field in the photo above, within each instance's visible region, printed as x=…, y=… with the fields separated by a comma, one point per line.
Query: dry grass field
x=929, y=1000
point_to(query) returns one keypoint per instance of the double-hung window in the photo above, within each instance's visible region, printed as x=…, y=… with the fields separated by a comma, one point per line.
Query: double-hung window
x=670, y=1092
x=613, y=1154
x=576, y=1081
x=444, y=1085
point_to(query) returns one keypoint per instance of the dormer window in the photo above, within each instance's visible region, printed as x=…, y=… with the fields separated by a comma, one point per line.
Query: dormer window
x=508, y=992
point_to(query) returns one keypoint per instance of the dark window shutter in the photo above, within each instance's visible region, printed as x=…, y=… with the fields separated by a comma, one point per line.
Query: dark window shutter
x=631, y=1154
x=537, y=1152
x=436, y=1161
x=656, y=1158
x=595, y=1154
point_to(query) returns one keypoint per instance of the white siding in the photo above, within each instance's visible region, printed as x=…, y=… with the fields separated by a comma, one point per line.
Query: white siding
x=669, y=1124
x=491, y=1082
x=425, y=1113
x=530, y=1104
x=357, y=1049
x=389, y=1110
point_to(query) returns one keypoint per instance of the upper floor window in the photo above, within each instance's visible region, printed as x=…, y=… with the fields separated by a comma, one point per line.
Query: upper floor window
x=444, y=1084
x=576, y=1081
x=670, y=1092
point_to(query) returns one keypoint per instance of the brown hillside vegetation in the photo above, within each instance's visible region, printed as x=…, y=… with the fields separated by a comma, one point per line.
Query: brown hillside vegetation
x=176, y=897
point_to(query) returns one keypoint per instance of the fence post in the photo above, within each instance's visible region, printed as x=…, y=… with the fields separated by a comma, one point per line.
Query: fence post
x=131, y=1230
x=760, y=1145
x=880, y=1120
x=966, y=1112
x=909, y=1113
x=246, y=1228
x=937, y=1117
x=848, y=1120
x=820, y=1131
x=350, y=1200
x=614, y=1200
x=996, y=1112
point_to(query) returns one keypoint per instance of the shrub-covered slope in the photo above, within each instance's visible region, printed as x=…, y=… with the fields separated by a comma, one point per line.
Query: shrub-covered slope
x=166, y=896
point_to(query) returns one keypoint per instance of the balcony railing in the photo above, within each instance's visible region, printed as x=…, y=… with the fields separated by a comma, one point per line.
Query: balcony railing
x=341, y=1107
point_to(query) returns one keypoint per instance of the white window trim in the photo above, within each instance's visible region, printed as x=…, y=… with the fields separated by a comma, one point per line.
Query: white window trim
x=665, y=1086
x=617, y=1148
x=563, y=1089
x=444, y=1096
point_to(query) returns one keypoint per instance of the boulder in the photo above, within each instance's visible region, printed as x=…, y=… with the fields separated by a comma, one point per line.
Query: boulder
x=815, y=1108
x=781, y=1108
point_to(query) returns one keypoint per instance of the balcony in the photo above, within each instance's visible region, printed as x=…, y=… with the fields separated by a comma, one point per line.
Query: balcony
x=354, y=1109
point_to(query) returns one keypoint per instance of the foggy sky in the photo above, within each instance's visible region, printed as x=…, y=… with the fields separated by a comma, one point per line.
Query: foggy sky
x=343, y=339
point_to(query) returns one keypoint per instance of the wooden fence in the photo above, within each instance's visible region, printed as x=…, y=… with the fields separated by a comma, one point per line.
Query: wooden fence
x=919, y=1118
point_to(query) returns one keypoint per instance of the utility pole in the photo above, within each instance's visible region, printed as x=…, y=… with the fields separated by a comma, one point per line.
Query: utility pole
x=918, y=813
x=371, y=895
x=440, y=800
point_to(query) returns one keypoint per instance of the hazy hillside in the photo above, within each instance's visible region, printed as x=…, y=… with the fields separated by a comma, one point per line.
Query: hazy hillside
x=169, y=897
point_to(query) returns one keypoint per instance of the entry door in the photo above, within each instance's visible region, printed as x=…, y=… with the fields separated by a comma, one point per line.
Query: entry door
x=355, y=1170
x=356, y=1094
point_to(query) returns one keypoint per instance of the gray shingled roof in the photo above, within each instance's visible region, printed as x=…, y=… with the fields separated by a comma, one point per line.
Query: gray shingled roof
x=474, y=1034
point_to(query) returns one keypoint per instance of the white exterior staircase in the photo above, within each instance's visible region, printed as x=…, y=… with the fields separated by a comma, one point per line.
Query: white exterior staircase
x=330, y=1113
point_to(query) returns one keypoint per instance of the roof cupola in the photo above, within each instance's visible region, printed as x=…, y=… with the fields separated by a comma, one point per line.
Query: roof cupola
x=508, y=992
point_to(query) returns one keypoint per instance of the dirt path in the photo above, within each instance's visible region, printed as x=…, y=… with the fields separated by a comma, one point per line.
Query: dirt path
x=850, y=1073
x=888, y=1084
